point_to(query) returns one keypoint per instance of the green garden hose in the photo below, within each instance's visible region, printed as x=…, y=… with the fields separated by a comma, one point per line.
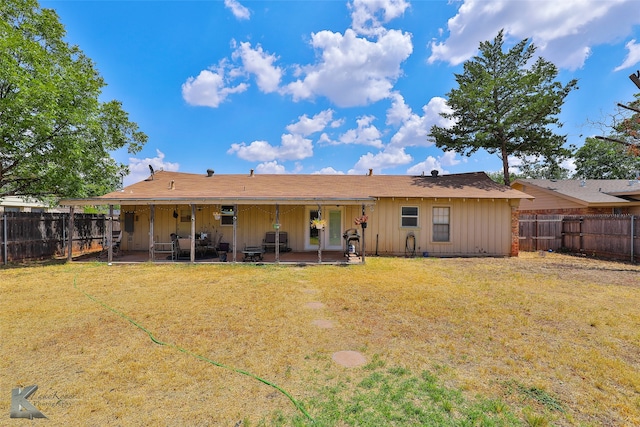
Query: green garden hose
x=297, y=404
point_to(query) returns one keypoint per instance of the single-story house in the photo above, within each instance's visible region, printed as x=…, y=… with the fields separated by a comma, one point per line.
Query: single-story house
x=26, y=204
x=464, y=214
x=580, y=197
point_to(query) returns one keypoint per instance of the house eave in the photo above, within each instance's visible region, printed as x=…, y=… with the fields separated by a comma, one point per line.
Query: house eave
x=219, y=201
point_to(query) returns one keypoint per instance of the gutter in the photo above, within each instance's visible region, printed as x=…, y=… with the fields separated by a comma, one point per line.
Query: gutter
x=218, y=201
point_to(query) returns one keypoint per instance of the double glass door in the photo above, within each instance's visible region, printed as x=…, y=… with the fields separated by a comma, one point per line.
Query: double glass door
x=330, y=237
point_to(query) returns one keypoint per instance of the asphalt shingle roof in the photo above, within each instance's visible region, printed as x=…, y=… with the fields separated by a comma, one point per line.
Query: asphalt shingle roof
x=171, y=187
x=590, y=191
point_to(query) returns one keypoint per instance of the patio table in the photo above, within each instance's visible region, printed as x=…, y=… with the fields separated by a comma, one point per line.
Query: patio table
x=253, y=253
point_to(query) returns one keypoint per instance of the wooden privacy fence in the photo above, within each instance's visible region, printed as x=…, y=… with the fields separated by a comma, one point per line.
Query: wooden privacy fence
x=28, y=236
x=606, y=236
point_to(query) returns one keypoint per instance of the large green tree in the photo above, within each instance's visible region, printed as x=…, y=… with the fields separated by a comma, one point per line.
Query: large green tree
x=605, y=159
x=56, y=136
x=507, y=104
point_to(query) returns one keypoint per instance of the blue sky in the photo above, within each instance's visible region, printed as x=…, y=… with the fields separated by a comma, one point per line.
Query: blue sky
x=332, y=86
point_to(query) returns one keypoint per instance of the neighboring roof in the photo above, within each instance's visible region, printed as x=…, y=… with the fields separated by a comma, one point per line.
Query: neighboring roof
x=178, y=187
x=589, y=192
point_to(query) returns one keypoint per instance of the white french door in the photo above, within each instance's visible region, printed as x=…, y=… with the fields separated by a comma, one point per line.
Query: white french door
x=331, y=236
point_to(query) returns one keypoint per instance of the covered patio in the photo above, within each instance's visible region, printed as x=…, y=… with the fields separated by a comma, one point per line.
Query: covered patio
x=294, y=258
x=183, y=217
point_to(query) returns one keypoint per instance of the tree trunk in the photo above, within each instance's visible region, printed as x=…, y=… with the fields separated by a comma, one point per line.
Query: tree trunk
x=505, y=166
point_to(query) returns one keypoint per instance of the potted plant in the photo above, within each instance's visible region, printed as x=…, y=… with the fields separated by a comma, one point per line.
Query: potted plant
x=318, y=223
x=361, y=220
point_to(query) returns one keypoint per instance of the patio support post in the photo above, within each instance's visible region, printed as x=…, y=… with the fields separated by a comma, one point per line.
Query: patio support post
x=235, y=229
x=70, y=234
x=192, y=242
x=152, y=220
x=277, y=249
x=363, y=242
x=320, y=236
x=110, y=236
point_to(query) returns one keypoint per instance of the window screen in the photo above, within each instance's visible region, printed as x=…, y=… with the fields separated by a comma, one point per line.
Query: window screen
x=440, y=224
x=409, y=216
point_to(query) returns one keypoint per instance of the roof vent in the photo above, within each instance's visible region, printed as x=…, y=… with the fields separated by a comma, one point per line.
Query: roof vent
x=434, y=173
x=172, y=185
x=251, y=172
x=210, y=172
x=370, y=172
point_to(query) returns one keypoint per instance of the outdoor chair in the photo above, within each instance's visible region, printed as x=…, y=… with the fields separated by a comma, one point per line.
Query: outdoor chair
x=269, y=242
x=183, y=247
x=115, y=242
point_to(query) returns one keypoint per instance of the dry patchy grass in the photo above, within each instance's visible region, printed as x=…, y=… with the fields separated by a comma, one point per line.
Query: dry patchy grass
x=555, y=338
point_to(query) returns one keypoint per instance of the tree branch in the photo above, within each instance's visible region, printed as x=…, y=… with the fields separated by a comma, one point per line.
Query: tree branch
x=619, y=141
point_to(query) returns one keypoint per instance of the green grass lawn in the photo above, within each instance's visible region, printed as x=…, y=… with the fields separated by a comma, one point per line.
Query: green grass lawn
x=529, y=341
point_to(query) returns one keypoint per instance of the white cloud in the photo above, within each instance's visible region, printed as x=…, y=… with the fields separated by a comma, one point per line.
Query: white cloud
x=270, y=168
x=449, y=158
x=295, y=147
x=563, y=31
x=306, y=126
x=364, y=134
x=389, y=158
x=570, y=165
x=256, y=151
x=259, y=63
x=325, y=139
x=139, y=168
x=633, y=57
x=425, y=167
x=238, y=10
x=328, y=171
x=399, y=111
x=368, y=15
x=352, y=70
x=292, y=147
x=414, y=129
x=210, y=88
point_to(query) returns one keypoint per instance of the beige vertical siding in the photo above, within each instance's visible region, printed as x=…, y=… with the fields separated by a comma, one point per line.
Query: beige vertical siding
x=477, y=227
x=544, y=200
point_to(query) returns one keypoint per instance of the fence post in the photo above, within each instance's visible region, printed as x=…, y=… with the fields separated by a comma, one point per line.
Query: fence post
x=70, y=234
x=581, y=236
x=633, y=221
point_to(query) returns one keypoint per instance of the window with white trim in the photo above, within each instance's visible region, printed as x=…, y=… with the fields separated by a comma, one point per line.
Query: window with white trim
x=227, y=215
x=441, y=222
x=409, y=216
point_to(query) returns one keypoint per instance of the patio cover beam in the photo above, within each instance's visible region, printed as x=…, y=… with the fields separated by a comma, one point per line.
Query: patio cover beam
x=218, y=201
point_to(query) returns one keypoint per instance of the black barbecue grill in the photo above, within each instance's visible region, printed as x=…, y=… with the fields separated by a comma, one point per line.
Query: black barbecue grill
x=351, y=242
